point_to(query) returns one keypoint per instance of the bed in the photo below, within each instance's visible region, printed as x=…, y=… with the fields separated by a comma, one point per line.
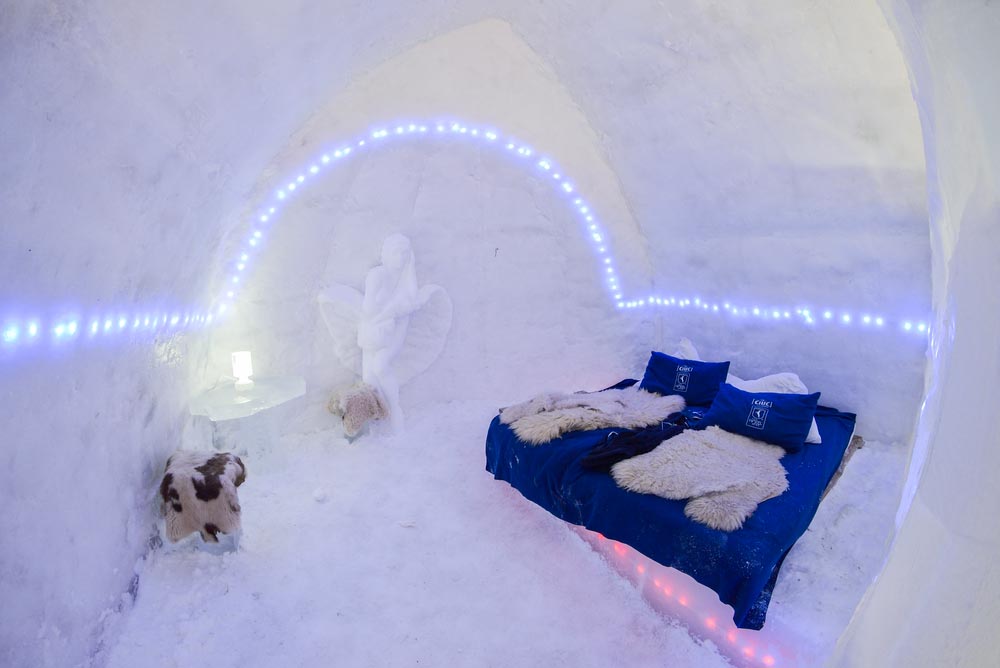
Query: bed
x=740, y=566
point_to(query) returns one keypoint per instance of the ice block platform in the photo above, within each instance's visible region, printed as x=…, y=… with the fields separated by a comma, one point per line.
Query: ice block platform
x=225, y=402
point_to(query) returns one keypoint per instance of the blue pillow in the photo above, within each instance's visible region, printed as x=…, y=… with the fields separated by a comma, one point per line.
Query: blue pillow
x=781, y=419
x=697, y=382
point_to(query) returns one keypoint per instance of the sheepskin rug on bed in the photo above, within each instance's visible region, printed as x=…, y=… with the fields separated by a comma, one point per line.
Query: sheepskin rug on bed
x=725, y=475
x=553, y=414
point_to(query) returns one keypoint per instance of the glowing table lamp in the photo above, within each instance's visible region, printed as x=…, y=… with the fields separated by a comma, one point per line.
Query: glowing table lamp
x=242, y=370
x=229, y=400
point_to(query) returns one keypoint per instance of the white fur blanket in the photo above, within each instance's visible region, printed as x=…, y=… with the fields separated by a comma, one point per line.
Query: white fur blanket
x=550, y=415
x=725, y=475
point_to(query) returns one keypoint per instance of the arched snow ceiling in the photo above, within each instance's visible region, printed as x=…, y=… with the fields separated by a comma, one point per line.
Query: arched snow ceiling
x=140, y=132
x=793, y=131
x=780, y=173
x=772, y=126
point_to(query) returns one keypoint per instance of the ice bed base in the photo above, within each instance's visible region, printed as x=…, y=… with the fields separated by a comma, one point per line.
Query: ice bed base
x=680, y=597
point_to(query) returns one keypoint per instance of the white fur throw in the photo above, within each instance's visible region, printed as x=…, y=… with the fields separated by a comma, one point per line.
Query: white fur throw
x=725, y=475
x=550, y=415
x=199, y=494
x=356, y=406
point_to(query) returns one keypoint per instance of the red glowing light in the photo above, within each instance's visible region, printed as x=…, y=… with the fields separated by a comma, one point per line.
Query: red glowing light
x=768, y=660
x=668, y=591
x=657, y=583
x=640, y=569
x=619, y=548
x=748, y=650
x=711, y=623
x=731, y=636
x=682, y=600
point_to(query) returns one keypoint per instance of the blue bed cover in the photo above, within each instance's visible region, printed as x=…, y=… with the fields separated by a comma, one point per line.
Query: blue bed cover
x=740, y=566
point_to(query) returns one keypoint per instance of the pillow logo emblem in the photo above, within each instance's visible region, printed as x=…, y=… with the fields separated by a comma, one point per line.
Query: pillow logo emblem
x=683, y=378
x=758, y=413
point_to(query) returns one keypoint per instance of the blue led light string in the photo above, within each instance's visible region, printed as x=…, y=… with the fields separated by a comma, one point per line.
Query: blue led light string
x=22, y=332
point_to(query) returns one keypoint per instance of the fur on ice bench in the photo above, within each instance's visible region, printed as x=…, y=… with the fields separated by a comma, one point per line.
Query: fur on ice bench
x=356, y=406
x=199, y=494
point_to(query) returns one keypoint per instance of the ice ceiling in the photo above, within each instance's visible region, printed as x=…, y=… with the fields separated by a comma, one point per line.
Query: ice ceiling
x=768, y=156
x=137, y=319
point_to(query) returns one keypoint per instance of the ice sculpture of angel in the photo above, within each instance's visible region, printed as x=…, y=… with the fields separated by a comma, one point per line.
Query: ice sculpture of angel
x=395, y=330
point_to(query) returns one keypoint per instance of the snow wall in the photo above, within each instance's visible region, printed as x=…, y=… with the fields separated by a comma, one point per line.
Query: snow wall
x=767, y=155
x=935, y=603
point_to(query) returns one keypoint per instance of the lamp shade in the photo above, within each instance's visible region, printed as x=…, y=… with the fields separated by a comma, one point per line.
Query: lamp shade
x=242, y=367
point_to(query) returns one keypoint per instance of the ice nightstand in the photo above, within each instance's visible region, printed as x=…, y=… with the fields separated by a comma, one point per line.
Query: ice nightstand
x=242, y=419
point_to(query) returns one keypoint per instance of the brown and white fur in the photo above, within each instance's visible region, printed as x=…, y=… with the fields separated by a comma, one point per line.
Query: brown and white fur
x=199, y=494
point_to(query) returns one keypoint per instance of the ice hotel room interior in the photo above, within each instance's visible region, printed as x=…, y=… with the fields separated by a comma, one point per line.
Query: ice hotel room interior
x=493, y=333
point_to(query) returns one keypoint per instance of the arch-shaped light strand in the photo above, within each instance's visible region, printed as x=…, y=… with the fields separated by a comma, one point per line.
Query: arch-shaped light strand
x=593, y=230
x=18, y=332
x=265, y=216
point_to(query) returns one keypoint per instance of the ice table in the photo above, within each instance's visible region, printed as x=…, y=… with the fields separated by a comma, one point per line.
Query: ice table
x=242, y=421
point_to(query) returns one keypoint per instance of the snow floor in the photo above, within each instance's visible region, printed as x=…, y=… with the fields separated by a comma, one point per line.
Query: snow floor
x=403, y=551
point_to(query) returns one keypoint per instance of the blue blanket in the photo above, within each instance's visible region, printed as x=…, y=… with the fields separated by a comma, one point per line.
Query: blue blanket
x=741, y=566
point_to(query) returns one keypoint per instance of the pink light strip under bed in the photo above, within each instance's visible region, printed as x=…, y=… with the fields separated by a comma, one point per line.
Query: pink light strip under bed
x=680, y=597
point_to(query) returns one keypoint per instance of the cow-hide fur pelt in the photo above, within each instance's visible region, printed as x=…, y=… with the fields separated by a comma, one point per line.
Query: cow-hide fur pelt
x=199, y=494
x=550, y=415
x=357, y=405
x=725, y=475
